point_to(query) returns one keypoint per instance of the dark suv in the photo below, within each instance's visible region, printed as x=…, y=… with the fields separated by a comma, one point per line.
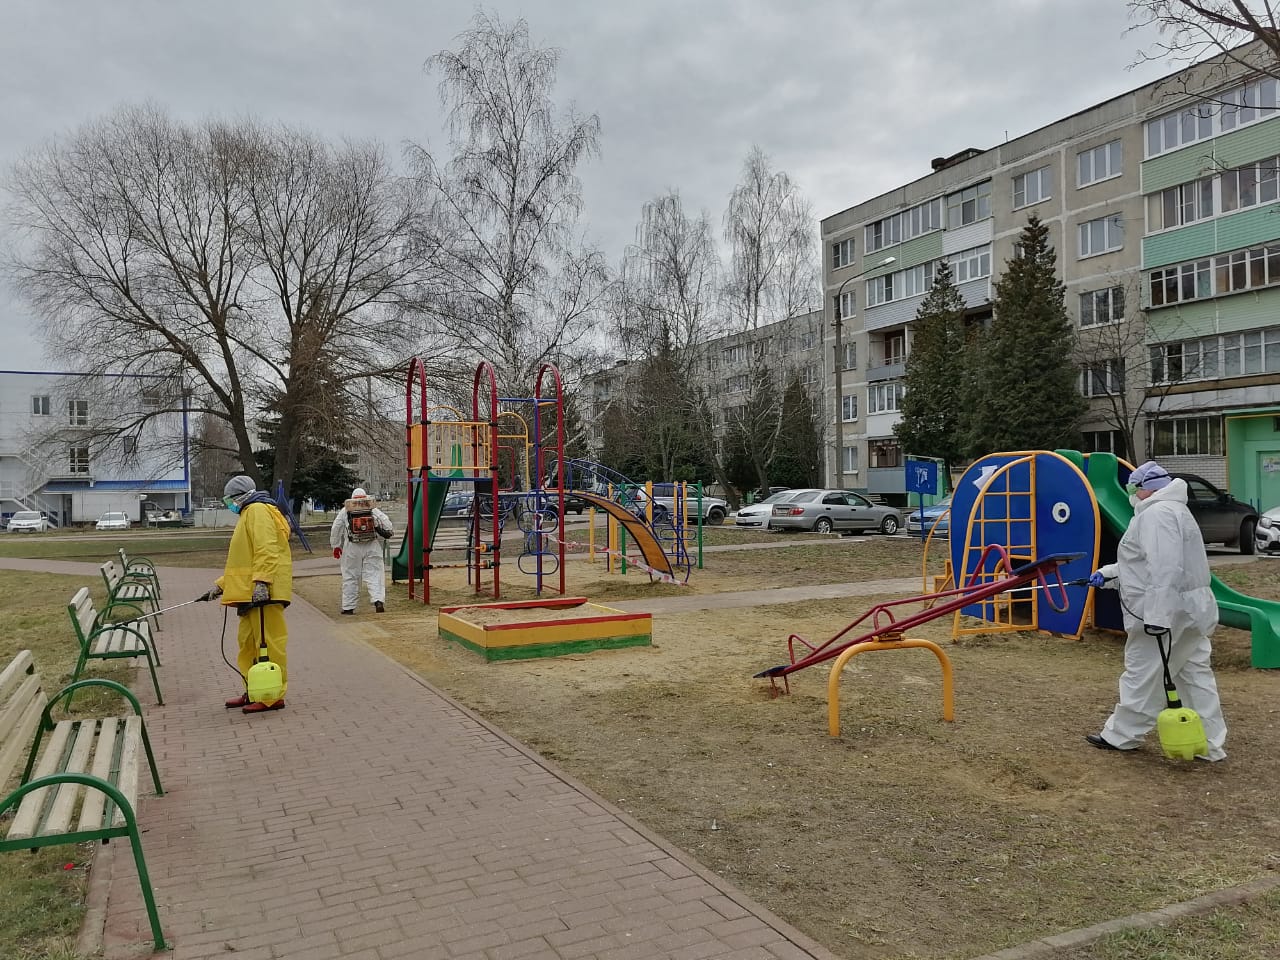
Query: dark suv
x=1221, y=517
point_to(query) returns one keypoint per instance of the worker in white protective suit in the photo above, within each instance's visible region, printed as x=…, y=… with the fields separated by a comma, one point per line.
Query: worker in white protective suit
x=356, y=537
x=1162, y=574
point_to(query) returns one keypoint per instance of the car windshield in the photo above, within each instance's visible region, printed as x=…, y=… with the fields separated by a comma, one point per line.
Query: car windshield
x=113, y=516
x=26, y=515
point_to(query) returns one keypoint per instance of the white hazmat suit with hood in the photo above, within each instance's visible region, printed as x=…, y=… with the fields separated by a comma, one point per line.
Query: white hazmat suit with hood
x=360, y=560
x=1162, y=574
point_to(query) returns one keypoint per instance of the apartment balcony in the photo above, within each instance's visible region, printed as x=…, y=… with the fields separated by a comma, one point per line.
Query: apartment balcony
x=895, y=370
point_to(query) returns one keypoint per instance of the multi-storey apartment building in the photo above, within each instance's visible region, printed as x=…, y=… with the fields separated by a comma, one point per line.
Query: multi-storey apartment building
x=724, y=367
x=54, y=456
x=1162, y=206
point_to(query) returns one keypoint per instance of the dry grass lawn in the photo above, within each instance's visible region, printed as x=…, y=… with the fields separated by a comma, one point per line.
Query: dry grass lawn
x=906, y=836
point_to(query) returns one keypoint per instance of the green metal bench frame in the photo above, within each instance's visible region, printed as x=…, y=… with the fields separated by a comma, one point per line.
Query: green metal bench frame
x=93, y=630
x=21, y=695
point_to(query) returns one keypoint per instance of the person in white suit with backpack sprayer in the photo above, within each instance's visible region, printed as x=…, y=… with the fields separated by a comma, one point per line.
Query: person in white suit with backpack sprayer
x=356, y=538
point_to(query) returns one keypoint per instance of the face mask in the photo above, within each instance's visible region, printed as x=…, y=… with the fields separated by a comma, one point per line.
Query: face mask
x=230, y=504
x=1134, y=501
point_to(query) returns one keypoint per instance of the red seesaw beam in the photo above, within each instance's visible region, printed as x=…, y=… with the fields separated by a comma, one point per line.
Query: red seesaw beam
x=972, y=592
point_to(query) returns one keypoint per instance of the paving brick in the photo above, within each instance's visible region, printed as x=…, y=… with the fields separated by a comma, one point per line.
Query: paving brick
x=375, y=819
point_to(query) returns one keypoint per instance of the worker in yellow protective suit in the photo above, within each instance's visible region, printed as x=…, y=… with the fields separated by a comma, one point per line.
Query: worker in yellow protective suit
x=258, y=581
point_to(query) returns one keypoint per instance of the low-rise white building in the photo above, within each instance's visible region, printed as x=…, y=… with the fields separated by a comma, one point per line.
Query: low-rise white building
x=74, y=449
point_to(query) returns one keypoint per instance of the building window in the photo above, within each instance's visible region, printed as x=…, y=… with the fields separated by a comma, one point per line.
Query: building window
x=880, y=290
x=78, y=413
x=850, y=460
x=1104, y=441
x=1211, y=358
x=1250, y=186
x=1102, y=379
x=971, y=264
x=969, y=205
x=735, y=414
x=1033, y=187
x=841, y=254
x=850, y=355
x=1180, y=205
x=811, y=374
x=130, y=446
x=735, y=354
x=885, y=397
x=885, y=453
x=40, y=406
x=1102, y=306
x=808, y=340
x=1100, y=163
x=1233, y=272
x=845, y=305
x=1237, y=107
x=736, y=383
x=849, y=408
x=78, y=460
x=903, y=226
x=1101, y=236
x=1185, y=437
x=895, y=347
x=152, y=397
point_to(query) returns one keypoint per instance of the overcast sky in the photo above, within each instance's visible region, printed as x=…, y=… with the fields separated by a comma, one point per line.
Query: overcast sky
x=850, y=97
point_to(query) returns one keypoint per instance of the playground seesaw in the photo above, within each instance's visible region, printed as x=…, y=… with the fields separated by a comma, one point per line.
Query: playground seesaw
x=886, y=630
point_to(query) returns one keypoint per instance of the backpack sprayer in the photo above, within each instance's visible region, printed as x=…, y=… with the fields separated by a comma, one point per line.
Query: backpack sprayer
x=1180, y=729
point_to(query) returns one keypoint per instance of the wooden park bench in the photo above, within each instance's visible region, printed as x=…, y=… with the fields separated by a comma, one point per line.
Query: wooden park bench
x=84, y=785
x=140, y=568
x=125, y=587
x=121, y=631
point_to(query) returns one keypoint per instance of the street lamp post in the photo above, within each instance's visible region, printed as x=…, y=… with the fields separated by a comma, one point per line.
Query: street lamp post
x=839, y=325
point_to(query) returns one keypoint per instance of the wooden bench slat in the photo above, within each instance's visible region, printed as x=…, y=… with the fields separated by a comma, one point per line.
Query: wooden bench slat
x=15, y=706
x=129, y=764
x=15, y=748
x=103, y=767
x=66, y=795
x=27, y=818
x=15, y=673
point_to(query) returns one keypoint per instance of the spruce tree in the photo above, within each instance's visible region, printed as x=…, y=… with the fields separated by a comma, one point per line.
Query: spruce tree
x=932, y=408
x=1025, y=394
x=797, y=456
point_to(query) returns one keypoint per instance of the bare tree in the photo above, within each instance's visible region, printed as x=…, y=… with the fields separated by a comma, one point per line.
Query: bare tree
x=772, y=276
x=519, y=286
x=1194, y=30
x=254, y=266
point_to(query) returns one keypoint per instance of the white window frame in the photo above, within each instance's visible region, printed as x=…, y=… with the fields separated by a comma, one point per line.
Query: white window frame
x=841, y=253
x=845, y=305
x=1105, y=379
x=850, y=461
x=1236, y=107
x=971, y=264
x=78, y=413
x=885, y=397
x=850, y=349
x=737, y=383
x=1035, y=186
x=41, y=405
x=1237, y=271
x=1186, y=436
x=849, y=408
x=1102, y=307
x=1103, y=162
x=969, y=205
x=1112, y=228
x=77, y=460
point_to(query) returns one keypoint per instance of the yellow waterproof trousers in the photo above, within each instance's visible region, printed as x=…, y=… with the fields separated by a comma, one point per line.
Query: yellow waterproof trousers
x=271, y=618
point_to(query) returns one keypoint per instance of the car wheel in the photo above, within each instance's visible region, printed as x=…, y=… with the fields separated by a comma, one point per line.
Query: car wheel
x=1247, y=544
x=715, y=516
x=823, y=525
x=889, y=526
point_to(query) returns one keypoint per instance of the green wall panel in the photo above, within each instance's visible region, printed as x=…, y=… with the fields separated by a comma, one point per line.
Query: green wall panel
x=1232, y=314
x=1183, y=322
x=1199, y=159
x=915, y=251
x=1248, y=228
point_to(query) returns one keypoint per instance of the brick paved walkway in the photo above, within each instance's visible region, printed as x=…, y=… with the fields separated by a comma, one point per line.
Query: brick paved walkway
x=374, y=818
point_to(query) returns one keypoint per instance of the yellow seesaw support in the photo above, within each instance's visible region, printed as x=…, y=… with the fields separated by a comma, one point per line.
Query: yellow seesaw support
x=833, y=682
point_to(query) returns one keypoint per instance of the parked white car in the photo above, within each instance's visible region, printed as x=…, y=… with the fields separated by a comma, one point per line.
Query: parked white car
x=114, y=521
x=1266, y=536
x=758, y=514
x=28, y=521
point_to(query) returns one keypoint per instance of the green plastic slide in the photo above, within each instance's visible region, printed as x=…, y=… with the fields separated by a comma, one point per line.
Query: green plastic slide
x=436, y=494
x=1260, y=617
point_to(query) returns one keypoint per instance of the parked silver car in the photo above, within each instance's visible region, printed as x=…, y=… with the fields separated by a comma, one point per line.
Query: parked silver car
x=823, y=511
x=28, y=521
x=759, y=514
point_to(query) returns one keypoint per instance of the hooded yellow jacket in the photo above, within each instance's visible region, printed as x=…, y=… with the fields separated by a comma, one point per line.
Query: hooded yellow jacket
x=259, y=550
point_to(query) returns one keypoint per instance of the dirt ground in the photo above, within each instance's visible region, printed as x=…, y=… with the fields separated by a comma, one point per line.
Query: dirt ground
x=905, y=837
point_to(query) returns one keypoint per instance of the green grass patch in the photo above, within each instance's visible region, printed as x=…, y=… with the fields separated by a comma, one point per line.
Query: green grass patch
x=184, y=549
